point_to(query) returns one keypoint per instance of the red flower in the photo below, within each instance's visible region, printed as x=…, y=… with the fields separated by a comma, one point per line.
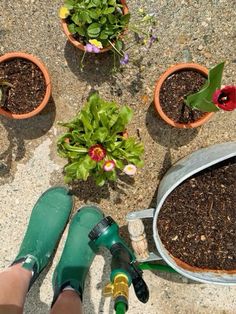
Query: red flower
x=97, y=152
x=225, y=98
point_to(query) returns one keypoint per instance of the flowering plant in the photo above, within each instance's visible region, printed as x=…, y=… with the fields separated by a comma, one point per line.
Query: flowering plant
x=98, y=24
x=96, y=143
x=212, y=97
x=95, y=23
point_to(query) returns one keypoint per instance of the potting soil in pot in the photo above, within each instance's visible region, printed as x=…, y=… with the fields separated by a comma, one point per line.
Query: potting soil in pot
x=28, y=88
x=173, y=91
x=197, y=222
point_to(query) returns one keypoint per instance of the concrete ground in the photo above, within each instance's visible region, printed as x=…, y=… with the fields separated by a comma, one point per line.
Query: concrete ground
x=204, y=29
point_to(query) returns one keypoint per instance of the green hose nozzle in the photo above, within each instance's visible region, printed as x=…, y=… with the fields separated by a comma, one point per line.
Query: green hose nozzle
x=106, y=234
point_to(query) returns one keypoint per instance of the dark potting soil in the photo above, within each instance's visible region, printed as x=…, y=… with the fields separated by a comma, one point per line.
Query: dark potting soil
x=197, y=222
x=28, y=82
x=173, y=91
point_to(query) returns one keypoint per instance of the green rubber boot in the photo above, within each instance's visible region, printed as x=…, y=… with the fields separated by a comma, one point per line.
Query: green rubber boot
x=47, y=222
x=77, y=255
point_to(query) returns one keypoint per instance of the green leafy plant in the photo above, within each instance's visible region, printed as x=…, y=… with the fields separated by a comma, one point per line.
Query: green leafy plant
x=102, y=20
x=96, y=144
x=98, y=24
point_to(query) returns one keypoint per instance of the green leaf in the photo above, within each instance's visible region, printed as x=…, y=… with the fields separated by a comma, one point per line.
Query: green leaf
x=202, y=100
x=103, y=20
x=108, y=10
x=72, y=168
x=100, y=180
x=84, y=168
x=84, y=16
x=126, y=114
x=85, y=119
x=111, y=18
x=111, y=175
x=100, y=134
x=103, y=35
x=89, y=163
x=82, y=173
x=95, y=14
x=76, y=19
x=78, y=149
x=72, y=28
x=119, y=45
x=119, y=164
x=136, y=161
x=80, y=30
x=70, y=4
x=124, y=118
x=112, y=2
x=67, y=179
x=94, y=30
x=125, y=19
x=104, y=119
x=97, y=2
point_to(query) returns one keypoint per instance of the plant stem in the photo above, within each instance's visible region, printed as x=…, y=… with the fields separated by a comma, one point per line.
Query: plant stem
x=136, y=30
x=115, y=48
x=82, y=60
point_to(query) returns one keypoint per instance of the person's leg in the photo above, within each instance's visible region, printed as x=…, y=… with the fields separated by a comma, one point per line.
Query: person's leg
x=67, y=302
x=47, y=222
x=77, y=256
x=14, y=284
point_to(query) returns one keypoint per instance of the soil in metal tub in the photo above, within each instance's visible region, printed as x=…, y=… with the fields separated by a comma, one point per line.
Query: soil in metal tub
x=197, y=222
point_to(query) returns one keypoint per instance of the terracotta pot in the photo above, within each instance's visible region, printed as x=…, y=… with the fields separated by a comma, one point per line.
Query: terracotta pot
x=22, y=55
x=164, y=76
x=76, y=43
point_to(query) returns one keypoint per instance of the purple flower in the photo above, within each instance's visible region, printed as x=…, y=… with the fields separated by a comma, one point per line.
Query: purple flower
x=152, y=39
x=125, y=59
x=92, y=48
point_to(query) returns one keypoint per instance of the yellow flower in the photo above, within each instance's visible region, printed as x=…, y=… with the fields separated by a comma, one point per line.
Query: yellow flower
x=64, y=12
x=96, y=43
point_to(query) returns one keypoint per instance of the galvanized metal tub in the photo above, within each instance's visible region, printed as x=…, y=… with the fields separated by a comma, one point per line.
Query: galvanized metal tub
x=179, y=172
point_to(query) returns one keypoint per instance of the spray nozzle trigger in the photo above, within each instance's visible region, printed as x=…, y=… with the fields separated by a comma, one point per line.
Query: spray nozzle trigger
x=121, y=259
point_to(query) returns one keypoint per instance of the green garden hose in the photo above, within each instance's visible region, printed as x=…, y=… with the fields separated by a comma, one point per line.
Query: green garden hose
x=120, y=308
x=149, y=266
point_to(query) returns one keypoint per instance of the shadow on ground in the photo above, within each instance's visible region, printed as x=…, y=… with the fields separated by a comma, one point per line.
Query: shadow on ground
x=88, y=191
x=20, y=130
x=104, y=280
x=97, y=68
x=166, y=135
x=100, y=68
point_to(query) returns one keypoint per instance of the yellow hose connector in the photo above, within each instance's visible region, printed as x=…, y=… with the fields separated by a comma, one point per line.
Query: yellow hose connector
x=119, y=287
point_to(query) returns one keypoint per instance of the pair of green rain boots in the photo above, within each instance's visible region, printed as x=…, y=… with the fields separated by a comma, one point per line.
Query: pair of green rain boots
x=46, y=225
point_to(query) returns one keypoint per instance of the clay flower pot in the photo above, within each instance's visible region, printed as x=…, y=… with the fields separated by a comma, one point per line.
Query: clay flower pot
x=163, y=77
x=41, y=66
x=78, y=44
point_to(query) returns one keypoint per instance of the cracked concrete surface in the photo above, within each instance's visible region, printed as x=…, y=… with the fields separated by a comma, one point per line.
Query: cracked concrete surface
x=204, y=29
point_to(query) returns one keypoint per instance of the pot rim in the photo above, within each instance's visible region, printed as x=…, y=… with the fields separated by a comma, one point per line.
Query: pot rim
x=176, y=68
x=43, y=69
x=78, y=44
